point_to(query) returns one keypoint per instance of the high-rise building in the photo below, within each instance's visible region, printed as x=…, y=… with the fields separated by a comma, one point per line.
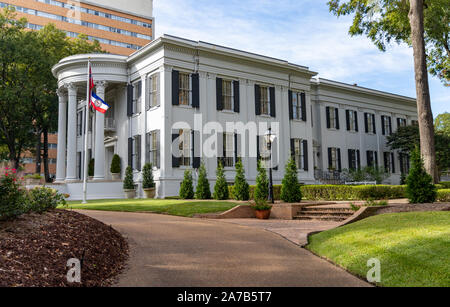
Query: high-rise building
x=120, y=26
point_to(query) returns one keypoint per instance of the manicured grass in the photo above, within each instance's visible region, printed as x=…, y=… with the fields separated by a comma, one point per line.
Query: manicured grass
x=413, y=248
x=167, y=206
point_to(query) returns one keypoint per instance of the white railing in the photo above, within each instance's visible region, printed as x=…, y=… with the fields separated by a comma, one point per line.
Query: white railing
x=361, y=183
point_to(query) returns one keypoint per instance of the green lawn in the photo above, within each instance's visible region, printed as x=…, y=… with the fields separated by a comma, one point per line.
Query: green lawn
x=413, y=248
x=167, y=206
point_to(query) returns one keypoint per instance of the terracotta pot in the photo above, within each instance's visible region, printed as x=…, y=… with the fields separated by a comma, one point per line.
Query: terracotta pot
x=130, y=194
x=115, y=176
x=262, y=214
x=150, y=193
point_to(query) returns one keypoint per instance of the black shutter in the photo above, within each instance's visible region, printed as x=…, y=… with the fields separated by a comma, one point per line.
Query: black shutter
x=347, y=116
x=175, y=160
x=356, y=121
x=386, y=160
x=336, y=110
x=138, y=140
x=366, y=122
x=219, y=96
x=339, y=159
x=393, y=163
x=390, y=125
x=237, y=97
x=175, y=87
x=195, y=91
x=400, y=157
x=330, y=163
x=375, y=153
x=291, y=107
x=350, y=158
x=257, y=100
x=272, y=102
x=305, y=155
x=196, y=160
x=374, y=124
x=303, y=102
x=328, y=117
x=369, y=158
x=130, y=92
x=130, y=152
x=383, y=128
x=398, y=122
x=258, y=153
x=358, y=154
x=293, y=148
x=236, y=156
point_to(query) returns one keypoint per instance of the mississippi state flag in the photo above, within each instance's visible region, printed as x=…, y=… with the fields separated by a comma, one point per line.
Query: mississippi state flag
x=98, y=104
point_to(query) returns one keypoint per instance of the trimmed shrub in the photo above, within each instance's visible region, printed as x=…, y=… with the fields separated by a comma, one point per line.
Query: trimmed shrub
x=443, y=195
x=241, y=187
x=12, y=197
x=116, y=166
x=147, y=176
x=203, y=190
x=419, y=184
x=445, y=184
x=42, y=199
x=187, y=186
x=262, y=184
x=221, y=187
x=91, y=168
x=290, y=191
x=128, y=183
x=349, y=192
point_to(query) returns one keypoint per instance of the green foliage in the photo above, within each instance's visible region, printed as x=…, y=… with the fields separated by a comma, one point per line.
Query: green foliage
x=368, y=173
x=261, y=205
x=12, y=197
x=241, y=186
x=373, y=203
x=290, y=191
x=116, y=167
x=262, y=184
x=354, y=207
x=42, y=199
x=221, y=187
x=35, y=176
x=445, y=184
x=443, y=195
x=147, y=176
x=187, y=186
x=128, y=183
x=91, y=168
x=442, y=123
x=419, y=184
x=386, y=21
x=203, y=190
x=350, y=192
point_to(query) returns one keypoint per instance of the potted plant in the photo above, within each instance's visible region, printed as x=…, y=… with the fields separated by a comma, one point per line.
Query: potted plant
x=33, y=179
x=128, y=184
x=91, y=169
x=148, y=184
x=115, y=167
x=262, y=209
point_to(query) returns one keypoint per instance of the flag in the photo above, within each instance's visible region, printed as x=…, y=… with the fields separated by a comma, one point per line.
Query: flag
x=91, y=80
x=98, y=104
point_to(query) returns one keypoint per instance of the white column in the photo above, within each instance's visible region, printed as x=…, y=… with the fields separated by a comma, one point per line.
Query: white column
x=71, y=173
x=62, y=124
x=99, y=169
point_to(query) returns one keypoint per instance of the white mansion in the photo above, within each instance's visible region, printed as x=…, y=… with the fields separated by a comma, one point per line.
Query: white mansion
x=178, y=102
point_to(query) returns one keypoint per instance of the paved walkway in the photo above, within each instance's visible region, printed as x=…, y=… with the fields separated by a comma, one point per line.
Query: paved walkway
x=183, y=252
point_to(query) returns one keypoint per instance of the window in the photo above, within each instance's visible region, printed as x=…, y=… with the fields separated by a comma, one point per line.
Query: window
x=352, y=120
x=228, y=150
x=265, y=100
x=386, y=125
x=184, y=147
x=354, y=161
x=334, y=159
x=369, y=120
x=136, y=152
x=137, y=97
x=372, y=158
x=389, y=165
x=298, y=105
x=404, y=163
x=414, y=123
x=153, y=148
x=154, y=98
x=228, y=95
x=401, y=122
x=52, y=146
x=185, y=89
x=332, y=118
x=299, y=154
x=80, y=123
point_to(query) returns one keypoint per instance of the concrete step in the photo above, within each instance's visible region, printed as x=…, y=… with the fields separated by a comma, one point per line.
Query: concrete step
x=326, y=213
x=321, y=218
x=319, y=209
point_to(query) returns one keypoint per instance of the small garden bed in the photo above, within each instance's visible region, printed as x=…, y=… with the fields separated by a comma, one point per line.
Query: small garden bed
x=35, y=249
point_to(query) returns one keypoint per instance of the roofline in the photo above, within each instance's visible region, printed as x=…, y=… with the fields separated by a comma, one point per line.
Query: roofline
x=360, y=89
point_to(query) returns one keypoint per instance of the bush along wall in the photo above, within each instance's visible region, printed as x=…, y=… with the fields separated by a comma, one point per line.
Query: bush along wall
x=443, y=195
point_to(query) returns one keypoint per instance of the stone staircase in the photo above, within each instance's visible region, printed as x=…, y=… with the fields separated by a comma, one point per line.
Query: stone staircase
x=318, y=213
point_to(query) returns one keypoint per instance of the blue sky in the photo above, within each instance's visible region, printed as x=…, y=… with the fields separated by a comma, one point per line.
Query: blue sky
x=301, y=32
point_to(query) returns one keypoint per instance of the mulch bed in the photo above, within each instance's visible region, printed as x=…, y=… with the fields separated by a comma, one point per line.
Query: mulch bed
x=34, y=250
x=414, y=208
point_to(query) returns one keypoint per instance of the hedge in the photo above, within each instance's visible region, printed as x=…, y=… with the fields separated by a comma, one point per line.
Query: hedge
x=341, y=192
x=444, y=185
x=443, y=195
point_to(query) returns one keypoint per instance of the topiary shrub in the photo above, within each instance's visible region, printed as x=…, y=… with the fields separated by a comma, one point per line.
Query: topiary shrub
x=42, y=199
x=91, y=168
x=262, y=184
x=290, y=191
x=128, y=183
x=12, y=197
x=116, y=167
x=240, y=191
x=147, y=176
x=221, y=186
x=351, y=192
x=187, y=186
x=203, y=190
x=419, y=184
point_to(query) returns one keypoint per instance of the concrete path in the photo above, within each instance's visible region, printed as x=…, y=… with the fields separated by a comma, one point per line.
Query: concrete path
x=183, y=252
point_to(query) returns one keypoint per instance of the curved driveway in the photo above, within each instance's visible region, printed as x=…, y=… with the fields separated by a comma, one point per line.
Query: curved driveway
x=183, y=252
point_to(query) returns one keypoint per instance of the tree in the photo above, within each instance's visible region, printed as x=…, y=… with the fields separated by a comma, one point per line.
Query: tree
x=262, y=184
x=290, y=190
x=442, y=123
x=419, y=184
x=241, y=189
x=128, y=182
x=203, y=190
x=187, y=186
x=404, y=21
x=221, y=186
x=147, y=176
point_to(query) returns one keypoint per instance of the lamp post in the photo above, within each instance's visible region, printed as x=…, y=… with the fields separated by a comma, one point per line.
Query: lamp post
x=270, y=138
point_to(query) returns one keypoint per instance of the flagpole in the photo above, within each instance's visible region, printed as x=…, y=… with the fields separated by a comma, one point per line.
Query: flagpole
x=86, y=162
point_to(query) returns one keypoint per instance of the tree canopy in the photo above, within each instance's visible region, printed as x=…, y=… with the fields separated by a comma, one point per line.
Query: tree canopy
x=442, y=123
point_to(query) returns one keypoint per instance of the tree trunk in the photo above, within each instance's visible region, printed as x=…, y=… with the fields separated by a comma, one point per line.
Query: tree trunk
x=425, y=115
x=45, y=156
x=38, y=154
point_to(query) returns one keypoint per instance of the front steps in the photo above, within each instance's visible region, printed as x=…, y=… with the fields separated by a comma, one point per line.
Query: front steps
x=324, y=214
